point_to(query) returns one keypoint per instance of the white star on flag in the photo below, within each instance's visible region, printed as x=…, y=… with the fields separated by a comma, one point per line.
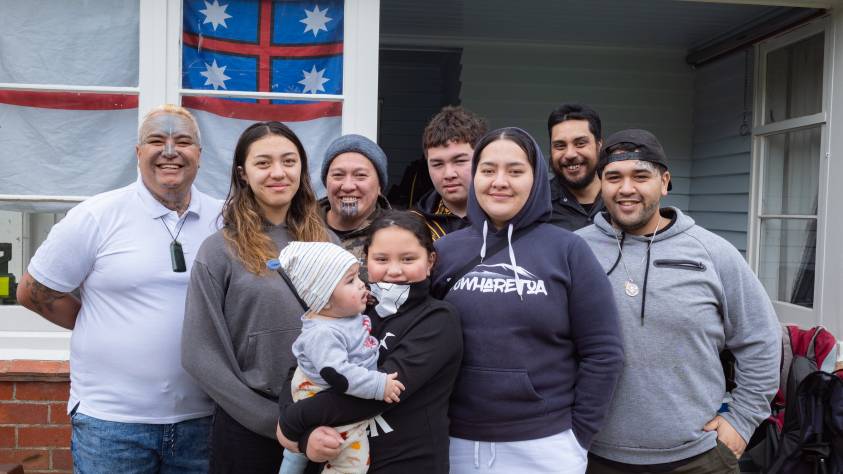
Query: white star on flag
x=313, y=81
x=316, y=20
x=215, y=14
x=215, y=75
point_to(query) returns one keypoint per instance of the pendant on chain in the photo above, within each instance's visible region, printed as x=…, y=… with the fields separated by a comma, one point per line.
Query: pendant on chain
x=177, y=257
x=630, y=288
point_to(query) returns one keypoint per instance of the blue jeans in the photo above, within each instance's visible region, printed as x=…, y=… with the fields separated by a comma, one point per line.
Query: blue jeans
x=100, y=446
x=293, y=463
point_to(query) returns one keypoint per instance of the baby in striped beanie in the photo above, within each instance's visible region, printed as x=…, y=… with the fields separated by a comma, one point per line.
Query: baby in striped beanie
x=335, y=348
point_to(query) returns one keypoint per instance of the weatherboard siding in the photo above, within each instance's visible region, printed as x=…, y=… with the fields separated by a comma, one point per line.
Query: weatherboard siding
x=721, y=161
x=519, y=85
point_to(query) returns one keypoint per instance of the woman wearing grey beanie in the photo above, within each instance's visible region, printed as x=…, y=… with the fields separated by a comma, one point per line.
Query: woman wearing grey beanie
x=354, y=174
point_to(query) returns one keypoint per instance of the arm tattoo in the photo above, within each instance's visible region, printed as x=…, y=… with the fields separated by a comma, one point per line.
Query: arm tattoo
x=42, y=297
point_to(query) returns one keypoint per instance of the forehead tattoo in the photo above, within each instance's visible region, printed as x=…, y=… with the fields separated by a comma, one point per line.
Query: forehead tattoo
x=168, y=125
x=645, y=166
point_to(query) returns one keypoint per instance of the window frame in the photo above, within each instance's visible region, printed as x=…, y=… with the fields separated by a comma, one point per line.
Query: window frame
x=24, y=334
x=786, y=311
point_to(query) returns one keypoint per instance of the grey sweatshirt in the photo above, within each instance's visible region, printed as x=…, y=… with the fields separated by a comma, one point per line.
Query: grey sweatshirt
x=238, y=331
x=341, y=347
x=699, y=296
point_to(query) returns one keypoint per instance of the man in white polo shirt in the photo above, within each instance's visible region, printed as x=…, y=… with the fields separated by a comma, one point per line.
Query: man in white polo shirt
x=129, y=251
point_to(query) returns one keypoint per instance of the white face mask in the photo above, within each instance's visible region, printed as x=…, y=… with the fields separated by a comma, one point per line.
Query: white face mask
x=390, y=297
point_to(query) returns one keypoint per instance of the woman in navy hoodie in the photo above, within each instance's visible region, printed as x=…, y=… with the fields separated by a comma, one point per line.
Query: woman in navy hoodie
x=542, y=344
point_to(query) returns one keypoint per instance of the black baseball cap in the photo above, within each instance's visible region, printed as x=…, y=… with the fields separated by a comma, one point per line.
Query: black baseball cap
x=646, y=144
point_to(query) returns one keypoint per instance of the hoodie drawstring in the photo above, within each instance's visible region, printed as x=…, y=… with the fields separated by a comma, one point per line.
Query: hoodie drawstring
x=620, y=254
x=492, y=452
x=644, y=286
x=514, y=269
x=477, y=455
x=509, y=230
x=483, y=248
x=646, y=270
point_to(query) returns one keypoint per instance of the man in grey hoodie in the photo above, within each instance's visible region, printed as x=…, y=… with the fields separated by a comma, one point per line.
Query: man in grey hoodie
x=684, y=294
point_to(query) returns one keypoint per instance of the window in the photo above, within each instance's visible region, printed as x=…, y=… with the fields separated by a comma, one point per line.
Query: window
x=789, y=168
x=68, y=99
x=76, y=75
x=253, y=61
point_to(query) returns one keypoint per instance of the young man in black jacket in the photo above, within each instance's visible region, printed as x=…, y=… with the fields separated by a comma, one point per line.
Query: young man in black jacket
x=575, y=140
x=448, y=144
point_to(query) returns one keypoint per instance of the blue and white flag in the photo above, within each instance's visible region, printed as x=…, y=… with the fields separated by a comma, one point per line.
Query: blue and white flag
x=72, y=144
x=265, y=46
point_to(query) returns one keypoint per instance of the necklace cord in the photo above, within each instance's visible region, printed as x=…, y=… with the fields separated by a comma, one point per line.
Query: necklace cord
x=178, y=230
x=620, y=254
x=646, y=256
x=176, y=251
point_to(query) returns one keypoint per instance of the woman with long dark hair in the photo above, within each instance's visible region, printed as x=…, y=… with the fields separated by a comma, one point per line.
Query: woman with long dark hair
x=542, y=344
x=241, y=319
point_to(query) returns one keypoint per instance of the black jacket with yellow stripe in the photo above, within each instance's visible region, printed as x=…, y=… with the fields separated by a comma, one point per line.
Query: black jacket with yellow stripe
x=440, y=220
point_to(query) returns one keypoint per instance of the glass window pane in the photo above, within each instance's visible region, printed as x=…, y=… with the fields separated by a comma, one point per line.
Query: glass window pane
x=791, y=172
x=221, y=122
x=787, y=258
x=74, y=42
x=20, y=235
x=266, y=46
x=794, y=80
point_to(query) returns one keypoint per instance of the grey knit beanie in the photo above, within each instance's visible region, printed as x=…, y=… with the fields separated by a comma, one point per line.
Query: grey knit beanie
x=359, y=144
x=315, y=268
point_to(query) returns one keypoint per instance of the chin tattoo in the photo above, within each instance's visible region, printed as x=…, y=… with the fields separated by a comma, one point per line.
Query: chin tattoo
x=349, y=209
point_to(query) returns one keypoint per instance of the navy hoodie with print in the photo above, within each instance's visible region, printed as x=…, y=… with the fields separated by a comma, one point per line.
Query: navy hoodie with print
x=542, y=343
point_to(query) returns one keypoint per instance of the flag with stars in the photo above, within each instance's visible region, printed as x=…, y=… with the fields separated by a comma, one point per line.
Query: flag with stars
x=264, y=46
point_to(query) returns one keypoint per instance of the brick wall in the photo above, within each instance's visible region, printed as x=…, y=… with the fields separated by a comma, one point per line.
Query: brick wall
x=34, y=427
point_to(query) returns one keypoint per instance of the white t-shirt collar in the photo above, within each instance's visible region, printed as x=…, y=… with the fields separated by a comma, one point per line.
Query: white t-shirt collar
x=156, y=209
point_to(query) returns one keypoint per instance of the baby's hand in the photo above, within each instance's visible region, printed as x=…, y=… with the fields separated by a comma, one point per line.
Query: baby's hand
x=393, y=388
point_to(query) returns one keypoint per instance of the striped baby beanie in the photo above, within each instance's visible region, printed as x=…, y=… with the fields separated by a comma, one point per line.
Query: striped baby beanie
x=315, y=268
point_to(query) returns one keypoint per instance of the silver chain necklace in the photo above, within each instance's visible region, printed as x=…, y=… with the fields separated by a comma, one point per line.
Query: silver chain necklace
x=629, y=286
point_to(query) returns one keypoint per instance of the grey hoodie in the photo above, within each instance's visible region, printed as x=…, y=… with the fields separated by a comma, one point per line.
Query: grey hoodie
x=238, y=332
x=698, y=297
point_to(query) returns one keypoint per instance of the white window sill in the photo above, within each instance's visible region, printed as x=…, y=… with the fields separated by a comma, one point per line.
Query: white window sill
x=25, y=335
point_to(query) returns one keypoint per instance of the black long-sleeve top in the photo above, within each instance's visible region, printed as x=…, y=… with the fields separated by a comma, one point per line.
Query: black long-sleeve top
x=423, y=343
